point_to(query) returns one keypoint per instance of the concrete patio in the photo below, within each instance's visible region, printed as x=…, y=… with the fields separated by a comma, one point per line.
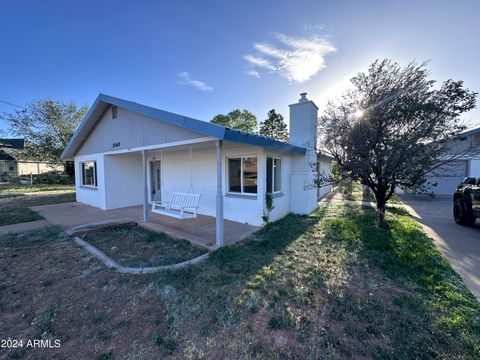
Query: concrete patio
x=199, y=231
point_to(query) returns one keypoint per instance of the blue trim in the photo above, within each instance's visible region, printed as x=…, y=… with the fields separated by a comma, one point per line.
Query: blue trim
x=202, y=127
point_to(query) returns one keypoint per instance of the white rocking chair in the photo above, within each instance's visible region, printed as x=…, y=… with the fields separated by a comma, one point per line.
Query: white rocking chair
x=181, y=205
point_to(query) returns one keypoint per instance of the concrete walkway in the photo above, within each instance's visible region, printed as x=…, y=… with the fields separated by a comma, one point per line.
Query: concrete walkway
x=199, y=231
x=26, y=226
x=459, y=244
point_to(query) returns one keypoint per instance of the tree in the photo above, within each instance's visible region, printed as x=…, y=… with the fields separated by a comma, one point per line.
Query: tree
x=274, y=127
x=392, y=128
x=46, y=126
x=237, y=119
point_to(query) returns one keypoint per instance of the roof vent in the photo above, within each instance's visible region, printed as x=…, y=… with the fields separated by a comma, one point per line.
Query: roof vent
x=114, y=112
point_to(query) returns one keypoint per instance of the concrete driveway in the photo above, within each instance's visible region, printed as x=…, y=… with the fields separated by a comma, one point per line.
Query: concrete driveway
x=461, y=245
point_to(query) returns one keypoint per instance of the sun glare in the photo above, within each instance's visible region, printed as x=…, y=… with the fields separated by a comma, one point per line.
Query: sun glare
x=359, y=113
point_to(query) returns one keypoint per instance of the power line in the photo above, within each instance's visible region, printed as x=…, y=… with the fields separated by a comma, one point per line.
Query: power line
x=11, y=104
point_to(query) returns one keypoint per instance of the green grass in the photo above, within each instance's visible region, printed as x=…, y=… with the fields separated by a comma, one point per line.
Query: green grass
x=14, y=215
x=35, y=238
x=19, y=189
x=15, y=209
x=334, y=285
x=442, y=313
x=354, y=191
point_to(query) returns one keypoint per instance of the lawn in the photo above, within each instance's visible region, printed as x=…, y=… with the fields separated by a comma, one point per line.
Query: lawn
x=15, y=208
x=326, y=286
x=354, y=191
x=19, y=189
x=138, y=247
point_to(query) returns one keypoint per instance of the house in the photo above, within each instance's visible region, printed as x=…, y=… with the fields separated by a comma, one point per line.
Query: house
x=14, y=162
x=126, y=153
x=444, y=180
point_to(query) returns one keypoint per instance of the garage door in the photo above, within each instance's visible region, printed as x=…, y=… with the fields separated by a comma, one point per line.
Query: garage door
x=448, y=176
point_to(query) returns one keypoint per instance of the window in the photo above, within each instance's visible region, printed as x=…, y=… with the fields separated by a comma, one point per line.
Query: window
x=242, y=175
x=274, y=175
x=89, y=173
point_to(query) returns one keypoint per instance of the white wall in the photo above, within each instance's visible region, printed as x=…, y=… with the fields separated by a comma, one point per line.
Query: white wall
x=123, y=180
x=325, y=167
x=130, y=130
x=303, y=132
x=474, y=170
x=281, y=202
x=120, y=181
x=88, y=195
x=198, y=175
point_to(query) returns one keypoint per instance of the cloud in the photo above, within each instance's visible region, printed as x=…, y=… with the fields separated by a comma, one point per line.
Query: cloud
x=296, y=59
x=184, y=78
x=258, y=61
x=253, y=72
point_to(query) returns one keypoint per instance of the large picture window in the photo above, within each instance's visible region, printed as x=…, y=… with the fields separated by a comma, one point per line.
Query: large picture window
x=274, y=175
x=89, y=173
x=242, y=175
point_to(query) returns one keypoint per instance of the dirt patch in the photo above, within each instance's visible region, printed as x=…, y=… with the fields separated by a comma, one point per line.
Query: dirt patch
x=137, y=247
x=52, y=289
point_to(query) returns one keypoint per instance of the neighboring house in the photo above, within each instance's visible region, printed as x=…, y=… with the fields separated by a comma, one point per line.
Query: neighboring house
x=449, y=176
x=125, y=153
x=13, y=161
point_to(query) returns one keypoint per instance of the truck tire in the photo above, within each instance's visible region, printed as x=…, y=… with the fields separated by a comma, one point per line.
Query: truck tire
x=461, y=214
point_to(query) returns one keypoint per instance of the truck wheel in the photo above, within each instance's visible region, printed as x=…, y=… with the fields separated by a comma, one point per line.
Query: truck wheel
x=461, y=214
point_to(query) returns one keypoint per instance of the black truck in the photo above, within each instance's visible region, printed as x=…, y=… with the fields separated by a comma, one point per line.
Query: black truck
x=466, y=202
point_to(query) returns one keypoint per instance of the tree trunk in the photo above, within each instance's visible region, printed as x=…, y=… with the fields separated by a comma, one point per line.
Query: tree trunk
x=381, y=215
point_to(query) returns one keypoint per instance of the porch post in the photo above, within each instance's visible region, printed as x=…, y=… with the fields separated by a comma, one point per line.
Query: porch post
x=219, y=207
x=145, y=186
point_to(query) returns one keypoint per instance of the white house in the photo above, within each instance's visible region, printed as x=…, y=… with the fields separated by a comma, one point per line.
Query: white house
x=125, y=153
x=444, y=180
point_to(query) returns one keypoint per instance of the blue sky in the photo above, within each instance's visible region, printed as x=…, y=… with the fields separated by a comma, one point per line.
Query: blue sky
x=201, y=58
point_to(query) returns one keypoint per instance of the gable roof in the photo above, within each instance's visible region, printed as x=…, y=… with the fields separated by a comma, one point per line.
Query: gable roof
x=208, y=129
x=472, y=132
x=12, y=143
x=10, y=153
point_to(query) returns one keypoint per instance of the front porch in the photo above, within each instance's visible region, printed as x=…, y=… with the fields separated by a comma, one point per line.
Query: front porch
x=199, y=231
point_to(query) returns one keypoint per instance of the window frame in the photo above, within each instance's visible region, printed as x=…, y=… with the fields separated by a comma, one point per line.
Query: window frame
x=242, y=193
x=273, y=174
x=82, y=174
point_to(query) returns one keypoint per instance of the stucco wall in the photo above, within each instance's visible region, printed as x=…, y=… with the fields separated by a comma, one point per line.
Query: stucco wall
x=123, y=180
x=325, y=167
x=198, y=175
x=120, y=181
x=474, y=170
x=281, y=201
x=131, y=130
x=87, y=195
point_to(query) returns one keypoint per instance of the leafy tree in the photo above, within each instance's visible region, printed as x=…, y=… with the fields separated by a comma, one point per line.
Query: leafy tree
x=46, y=125
x=392, y=128
x=237, y=119
x=274, y=127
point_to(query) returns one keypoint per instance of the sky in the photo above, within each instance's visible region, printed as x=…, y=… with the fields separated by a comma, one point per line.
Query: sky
x=202, y=58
